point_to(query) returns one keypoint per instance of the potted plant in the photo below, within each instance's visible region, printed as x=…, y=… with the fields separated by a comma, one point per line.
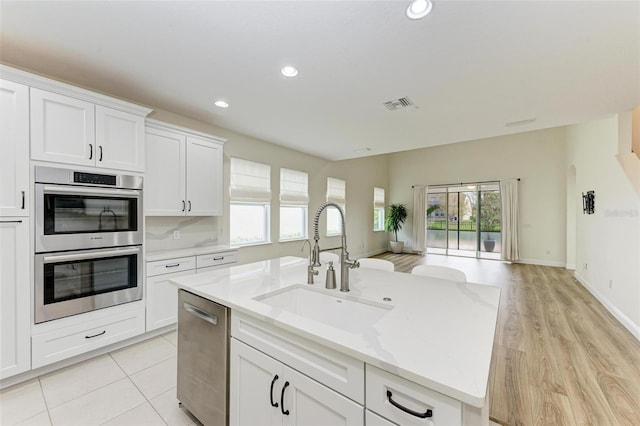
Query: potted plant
x=490, y=218
x=395, y=219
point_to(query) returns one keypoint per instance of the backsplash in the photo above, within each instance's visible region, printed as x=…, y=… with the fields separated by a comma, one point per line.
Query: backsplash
x=194, y=232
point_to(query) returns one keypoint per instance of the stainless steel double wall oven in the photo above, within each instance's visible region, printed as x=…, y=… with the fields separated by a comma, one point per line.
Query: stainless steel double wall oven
x=88, y=232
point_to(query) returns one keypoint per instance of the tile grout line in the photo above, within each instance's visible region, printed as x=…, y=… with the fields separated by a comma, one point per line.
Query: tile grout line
x=46, y=404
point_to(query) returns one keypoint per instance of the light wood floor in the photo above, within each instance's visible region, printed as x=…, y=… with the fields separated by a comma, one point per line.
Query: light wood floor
x=559, y=357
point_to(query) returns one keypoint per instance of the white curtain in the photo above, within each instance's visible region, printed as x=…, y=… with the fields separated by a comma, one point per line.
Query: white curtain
x=419, y=211
x=509, y=196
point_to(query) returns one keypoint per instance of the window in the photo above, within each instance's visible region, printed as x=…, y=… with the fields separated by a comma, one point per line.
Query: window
x=294, y=201
x=250, y=199
x=378, y=209
x=336, y=193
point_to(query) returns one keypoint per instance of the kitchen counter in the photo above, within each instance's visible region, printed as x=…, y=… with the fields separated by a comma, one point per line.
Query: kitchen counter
x=436, y=333
x=152, y=256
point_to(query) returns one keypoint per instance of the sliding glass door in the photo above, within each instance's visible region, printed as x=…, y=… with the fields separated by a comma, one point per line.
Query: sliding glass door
x=464, y=220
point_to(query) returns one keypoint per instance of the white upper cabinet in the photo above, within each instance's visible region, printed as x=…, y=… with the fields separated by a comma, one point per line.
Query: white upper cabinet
x=119, y=140
x=165, y=186
x=62, y=129
x=72, y=131
x=183, y=172
x=14, y=143
x=204, y=177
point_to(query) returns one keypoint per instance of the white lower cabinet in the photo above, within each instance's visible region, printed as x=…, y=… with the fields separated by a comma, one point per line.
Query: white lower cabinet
x=55, y=341
x=162, y=297
x=372, y=419
x=15, y=284
x=407, y=403
x=267, y=392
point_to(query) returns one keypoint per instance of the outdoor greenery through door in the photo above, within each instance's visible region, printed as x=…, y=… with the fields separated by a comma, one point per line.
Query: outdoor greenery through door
x=464, y=220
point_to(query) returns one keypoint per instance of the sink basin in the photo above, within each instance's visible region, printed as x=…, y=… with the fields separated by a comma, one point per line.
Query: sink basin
x=328, y=307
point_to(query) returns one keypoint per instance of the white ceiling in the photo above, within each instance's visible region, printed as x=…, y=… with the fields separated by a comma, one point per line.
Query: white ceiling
x=470, y=66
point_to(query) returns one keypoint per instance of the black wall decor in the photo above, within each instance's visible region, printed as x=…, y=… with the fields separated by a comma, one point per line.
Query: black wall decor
x=589, y=202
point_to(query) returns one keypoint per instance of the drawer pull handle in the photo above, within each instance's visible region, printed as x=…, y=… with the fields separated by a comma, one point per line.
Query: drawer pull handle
x=173, y=265
x=285, y=412
x=183, y=205
x=90, y=151
x=189, y=205
x=100, y=146
x=424, y=415
x=22, y=200
x=219, y=258
x=273, y=382
x=95, y=335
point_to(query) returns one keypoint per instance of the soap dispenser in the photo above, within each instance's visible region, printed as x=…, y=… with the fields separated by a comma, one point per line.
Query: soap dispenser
x=331, y=277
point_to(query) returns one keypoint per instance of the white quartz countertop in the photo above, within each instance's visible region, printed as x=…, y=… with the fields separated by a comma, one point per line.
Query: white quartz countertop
x=437, y=333
x=152, y=256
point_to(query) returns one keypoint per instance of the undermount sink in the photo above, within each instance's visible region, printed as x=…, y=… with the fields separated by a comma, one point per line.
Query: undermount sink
x=328, y=307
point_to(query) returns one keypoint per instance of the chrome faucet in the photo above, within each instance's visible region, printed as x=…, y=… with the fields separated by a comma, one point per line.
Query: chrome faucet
x=310, y=271
x=345, y=262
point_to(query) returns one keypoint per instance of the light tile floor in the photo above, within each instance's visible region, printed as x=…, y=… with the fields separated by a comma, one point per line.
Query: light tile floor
x=133, y=386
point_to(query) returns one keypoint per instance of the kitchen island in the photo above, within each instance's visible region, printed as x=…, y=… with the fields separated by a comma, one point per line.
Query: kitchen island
x=401, y=348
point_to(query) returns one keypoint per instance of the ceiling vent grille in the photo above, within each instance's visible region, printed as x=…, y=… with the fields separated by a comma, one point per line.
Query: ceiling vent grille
x=401, y=103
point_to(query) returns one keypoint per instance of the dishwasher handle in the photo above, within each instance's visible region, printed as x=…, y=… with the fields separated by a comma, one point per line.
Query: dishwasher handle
x=205, y=316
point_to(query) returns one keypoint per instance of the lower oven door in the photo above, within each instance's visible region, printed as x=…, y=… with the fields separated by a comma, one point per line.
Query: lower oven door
x=70, y=283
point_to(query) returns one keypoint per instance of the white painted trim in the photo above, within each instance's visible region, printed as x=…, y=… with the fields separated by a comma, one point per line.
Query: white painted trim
x=571, y=266
x=162, y=125
x=633, y=328
x=50, y=85
x=541, y=262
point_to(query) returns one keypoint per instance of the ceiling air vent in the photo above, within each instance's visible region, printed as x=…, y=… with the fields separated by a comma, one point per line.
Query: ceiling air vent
x=401, y=103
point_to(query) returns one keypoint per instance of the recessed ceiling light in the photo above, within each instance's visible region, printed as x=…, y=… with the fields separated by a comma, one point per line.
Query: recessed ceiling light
x=221, y=104
x=419, y=9
x=289, y=71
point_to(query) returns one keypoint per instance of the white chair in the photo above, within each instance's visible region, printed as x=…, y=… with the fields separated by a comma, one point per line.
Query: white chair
x=381, y=264
x=326, y=257
x=440, y=272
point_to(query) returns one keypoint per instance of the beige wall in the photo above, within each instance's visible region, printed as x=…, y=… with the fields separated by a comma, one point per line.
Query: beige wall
x=608, y=241
x=537, y=158
x=361, y=176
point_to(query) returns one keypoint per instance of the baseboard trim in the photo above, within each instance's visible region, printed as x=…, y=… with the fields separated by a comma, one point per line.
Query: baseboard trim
x=633, y=328
x=542, y=262
x=571, y=266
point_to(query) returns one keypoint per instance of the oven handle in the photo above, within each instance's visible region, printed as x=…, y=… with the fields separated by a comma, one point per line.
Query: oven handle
x=92, y=191
x=91, y=255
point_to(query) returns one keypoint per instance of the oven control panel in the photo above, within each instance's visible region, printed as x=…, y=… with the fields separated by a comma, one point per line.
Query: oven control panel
x=93, y=178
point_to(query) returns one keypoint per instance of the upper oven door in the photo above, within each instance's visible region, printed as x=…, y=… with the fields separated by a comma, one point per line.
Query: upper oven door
x=78, y=217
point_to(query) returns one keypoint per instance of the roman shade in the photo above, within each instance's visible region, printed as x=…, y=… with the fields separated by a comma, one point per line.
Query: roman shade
x=336, y=191
x=250, y=181
x=294, y=188
x=378, y=198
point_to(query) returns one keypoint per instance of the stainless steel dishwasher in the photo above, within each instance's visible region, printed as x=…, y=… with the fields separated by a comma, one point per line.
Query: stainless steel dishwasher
x=203, y=354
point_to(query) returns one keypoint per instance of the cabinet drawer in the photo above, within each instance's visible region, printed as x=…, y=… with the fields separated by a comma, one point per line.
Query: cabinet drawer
x=216, y=259
x=56, y=345
x=169, y=266
x=331, y=368
x=445, y=410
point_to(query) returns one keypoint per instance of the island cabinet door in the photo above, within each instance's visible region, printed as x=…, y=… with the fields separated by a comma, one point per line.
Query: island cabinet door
x=255, y=387
x=307, y=402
